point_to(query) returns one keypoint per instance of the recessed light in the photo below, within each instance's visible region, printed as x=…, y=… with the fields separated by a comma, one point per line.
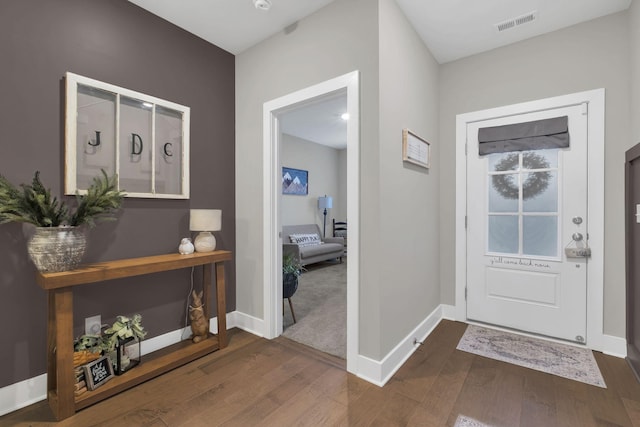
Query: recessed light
x=345, y=116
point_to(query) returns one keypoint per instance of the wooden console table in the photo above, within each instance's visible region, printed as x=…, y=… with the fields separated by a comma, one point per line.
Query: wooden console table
x=59, y=286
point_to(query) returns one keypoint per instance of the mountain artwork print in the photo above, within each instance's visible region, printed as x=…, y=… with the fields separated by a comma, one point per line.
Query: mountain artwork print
x=295, y=181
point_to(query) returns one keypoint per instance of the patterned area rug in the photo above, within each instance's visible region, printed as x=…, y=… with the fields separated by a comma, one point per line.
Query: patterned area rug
x=464, y=421
x=558, y=359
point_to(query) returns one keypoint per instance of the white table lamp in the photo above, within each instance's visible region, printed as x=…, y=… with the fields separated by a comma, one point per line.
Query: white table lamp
x=205, y=221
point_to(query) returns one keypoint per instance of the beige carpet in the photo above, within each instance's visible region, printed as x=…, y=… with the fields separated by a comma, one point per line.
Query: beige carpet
x=320, y=304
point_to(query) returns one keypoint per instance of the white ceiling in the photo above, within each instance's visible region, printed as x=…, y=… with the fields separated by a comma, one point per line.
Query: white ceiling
x=320, y=122
x=452, y=29
x=233, y=25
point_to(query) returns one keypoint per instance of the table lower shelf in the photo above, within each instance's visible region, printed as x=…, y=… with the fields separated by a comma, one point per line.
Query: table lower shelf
x=151, y=366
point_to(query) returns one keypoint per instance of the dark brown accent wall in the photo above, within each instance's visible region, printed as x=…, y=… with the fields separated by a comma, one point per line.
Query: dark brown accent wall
x=119, y=43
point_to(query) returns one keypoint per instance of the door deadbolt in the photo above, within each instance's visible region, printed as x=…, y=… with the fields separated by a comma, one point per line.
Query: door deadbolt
x=577, y=220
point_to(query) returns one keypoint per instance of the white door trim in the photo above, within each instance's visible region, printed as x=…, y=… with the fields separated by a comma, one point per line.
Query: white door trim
x=595, y=100
x=272, y=227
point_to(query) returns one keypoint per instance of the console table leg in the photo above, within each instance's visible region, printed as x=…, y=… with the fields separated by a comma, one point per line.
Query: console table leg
x=222, y=305
x=206, y=290
x=60, y=377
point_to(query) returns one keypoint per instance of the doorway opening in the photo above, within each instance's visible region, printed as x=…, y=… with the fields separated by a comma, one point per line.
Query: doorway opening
x=273, y=112
x=313, y=153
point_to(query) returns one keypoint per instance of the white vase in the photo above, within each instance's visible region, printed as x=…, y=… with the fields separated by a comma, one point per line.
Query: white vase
x=186, y=247
x=54, y=249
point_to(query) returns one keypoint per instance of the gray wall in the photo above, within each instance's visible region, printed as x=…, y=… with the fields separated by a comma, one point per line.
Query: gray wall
x=398, y=203
x=634, y=34
x=322, y=164
x=409, y=231
x=291, y=61
x=583, y=57
x=119, y=43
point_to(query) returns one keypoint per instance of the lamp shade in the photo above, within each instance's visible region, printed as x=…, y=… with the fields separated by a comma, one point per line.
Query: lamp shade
x=325, y=202
x=205, y=220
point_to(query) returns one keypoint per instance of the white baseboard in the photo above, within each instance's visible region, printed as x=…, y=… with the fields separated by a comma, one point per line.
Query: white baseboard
x=614, y=346
x=379, y=372
x=24, y=393
x=161, y=341
x=32, y=390
x=449, y=312
x=253, y=325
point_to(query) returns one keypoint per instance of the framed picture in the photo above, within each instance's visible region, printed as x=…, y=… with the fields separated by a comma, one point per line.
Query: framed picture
x=415, y=149
x=142, y=139
x=98, y=372
x=295, y=181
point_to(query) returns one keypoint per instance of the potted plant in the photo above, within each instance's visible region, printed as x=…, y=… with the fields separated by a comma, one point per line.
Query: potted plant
x=125, y=334
x=291, y=271
x=59, y=240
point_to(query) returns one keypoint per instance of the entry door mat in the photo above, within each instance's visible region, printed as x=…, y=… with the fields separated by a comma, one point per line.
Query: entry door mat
x=558, y=359
x=464, y=421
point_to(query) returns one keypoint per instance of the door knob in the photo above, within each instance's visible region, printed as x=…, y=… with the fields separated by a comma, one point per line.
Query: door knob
x=577, y=237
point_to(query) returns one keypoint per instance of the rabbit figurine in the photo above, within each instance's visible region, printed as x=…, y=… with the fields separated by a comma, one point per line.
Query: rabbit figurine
x=186, y=247
x=199, y=323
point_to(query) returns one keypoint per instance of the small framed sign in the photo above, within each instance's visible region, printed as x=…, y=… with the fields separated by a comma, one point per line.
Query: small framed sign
x=98, y=372
x=415, y=149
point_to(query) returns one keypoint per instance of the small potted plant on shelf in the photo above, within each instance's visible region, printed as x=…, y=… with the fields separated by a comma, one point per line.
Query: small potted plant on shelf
x=59, y=240
x=121, y=342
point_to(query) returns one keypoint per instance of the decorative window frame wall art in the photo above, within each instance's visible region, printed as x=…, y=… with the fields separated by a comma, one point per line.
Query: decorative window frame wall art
x=141, y=138
x=295, y=181
x=415, y=149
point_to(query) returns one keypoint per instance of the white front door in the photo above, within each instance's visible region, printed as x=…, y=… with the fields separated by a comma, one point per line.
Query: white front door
x=523, y=209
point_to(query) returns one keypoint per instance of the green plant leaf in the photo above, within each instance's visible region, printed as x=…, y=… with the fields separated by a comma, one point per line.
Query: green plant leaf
x=32, y=203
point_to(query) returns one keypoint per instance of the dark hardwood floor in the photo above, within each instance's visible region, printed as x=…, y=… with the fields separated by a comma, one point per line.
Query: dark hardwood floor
x=256, y=382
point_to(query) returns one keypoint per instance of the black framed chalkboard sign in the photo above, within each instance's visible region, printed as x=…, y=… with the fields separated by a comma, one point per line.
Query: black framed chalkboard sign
x=98, y=372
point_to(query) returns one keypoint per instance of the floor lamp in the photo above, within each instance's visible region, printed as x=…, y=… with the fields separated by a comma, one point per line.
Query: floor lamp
x=325, y=203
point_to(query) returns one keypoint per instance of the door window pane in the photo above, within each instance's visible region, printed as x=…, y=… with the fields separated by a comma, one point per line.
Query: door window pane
x=540, y=235
x=540, y=192
x=503, y=234
x=540, y=159
x=169, y=151
x=96, y=134
x=504, y=192
x=135, y=145
x=501, y=162
x=523, y=192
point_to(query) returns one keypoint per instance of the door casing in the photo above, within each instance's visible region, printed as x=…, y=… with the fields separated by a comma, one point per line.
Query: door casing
x=595, y=100
x=632, y=185
x=272, y=227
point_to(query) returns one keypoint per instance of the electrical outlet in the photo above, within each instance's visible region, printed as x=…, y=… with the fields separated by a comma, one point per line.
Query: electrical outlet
x=93, y=325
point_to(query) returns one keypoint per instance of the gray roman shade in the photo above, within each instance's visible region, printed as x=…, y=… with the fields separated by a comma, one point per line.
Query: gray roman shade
x=537, y=135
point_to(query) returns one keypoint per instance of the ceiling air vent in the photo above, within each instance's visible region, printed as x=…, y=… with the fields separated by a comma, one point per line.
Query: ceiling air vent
x=514, y=22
